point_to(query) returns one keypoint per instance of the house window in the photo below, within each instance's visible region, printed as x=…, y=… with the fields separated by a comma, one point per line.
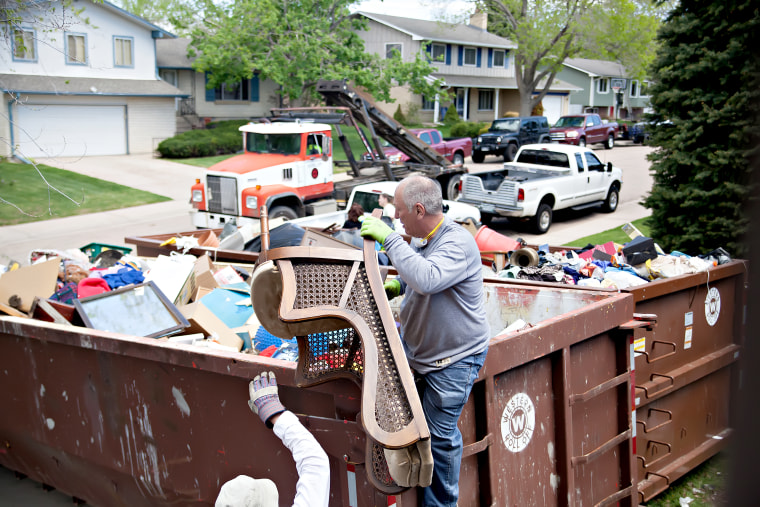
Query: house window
x=603, y=85
x=237, y=91
x=168, y=75
x=122, y=51
x=24, y=45
x=76, y=49
x=485, y=100
x=470, y=56
x=498, y=58
x=427, y=104
x=392, y=48
x=438, y=53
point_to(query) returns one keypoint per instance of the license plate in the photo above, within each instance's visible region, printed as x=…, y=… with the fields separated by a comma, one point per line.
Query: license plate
x=485, y=148
x=487, y=208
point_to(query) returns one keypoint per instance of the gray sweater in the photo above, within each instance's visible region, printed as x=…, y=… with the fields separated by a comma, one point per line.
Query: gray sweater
x=443, y=316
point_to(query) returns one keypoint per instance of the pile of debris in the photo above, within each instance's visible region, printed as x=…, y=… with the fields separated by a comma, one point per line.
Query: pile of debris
x=178, y=297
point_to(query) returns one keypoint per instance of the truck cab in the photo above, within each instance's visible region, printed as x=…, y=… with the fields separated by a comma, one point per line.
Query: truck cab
x=284, y=166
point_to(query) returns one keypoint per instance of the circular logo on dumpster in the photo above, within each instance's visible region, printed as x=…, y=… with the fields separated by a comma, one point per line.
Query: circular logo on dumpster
x=712, y=306
x=518, y=422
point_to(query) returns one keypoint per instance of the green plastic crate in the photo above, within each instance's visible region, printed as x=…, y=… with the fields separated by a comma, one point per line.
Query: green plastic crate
x=92, y=250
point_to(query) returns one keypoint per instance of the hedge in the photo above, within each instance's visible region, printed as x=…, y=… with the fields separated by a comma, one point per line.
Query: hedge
x=218, y=139
x=466, y=129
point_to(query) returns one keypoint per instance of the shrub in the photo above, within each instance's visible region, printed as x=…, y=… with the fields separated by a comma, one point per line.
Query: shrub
x=222, y=139
x=399, y=115
x=451, y=117
x=231, y=125
x=466, y=129
x=412, y=113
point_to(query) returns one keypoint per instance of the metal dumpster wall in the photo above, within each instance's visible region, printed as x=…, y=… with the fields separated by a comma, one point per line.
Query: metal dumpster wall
x=120, y=420
x=687, y=371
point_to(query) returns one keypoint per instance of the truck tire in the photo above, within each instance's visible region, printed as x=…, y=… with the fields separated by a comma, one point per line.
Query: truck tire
x=545, y=140
x=610, y=142
x=284, y=212
x=582, y=142
x=613, y=198
x=452, y=187
x=486, y=218
x=510, y=152
x=478, y=157
x=458, y=158
x=543, y=219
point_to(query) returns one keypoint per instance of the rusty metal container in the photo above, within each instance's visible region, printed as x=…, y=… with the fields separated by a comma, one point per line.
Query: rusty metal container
x=122, y=420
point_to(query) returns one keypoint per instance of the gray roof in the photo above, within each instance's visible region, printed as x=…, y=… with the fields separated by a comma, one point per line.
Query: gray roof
x=502, y=83
x=439, y=31
x=172, y=54
x=53, y=85
x=596, y=68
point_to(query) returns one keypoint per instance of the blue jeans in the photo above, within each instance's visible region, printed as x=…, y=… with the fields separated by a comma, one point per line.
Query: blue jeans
x=444, y=393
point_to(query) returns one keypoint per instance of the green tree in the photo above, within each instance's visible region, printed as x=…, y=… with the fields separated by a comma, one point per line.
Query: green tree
x=705, y=81
x=295, y=43
x=176, y=16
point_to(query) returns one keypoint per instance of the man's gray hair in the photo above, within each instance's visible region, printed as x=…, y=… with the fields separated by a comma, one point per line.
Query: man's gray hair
x=423, y=190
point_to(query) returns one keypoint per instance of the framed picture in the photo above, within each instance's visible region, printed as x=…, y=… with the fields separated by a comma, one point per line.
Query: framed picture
x=137, y=310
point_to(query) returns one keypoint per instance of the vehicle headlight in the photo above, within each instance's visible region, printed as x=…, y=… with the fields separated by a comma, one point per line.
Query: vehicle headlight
x=197, y=195
x=571, y=134
x=498, y=140
x=251, y=202
x=395, y=158
x=480, y=139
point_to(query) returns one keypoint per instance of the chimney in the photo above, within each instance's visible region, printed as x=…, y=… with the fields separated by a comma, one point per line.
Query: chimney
x=479, y=19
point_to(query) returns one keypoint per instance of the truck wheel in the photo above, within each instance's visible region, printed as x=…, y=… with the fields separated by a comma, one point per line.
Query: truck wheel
x=458, y=158
x=452, y=188
x=284, y=212
x=510, y=152
x=582, y=142
x=613, y=197
x=546, y=140
x=610, y=142
x=478, y=157
x=486, y=218
x=543, y=219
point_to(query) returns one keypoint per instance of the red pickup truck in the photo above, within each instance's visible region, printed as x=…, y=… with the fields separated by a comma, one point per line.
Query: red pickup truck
x=583, y=129
x=455, y=150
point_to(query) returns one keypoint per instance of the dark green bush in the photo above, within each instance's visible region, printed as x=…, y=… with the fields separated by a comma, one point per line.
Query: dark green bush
x=466, y=129
x=399, y=115
x=451, y=117
x=221, y=139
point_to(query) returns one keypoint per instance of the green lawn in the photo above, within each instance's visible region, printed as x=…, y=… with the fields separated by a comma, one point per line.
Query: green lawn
x=25, y=197
x=705, y=485
x=616, y=235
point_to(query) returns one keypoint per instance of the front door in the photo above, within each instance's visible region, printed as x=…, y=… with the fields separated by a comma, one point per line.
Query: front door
x=460, y=102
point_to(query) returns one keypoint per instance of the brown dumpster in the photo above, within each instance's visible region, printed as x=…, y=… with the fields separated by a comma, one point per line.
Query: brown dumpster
x=122, y=420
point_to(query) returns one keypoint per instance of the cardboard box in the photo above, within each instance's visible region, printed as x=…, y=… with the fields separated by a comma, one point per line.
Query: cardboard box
x=204, y=273
x=202, y=320
x=175, y=276
x=28, y=282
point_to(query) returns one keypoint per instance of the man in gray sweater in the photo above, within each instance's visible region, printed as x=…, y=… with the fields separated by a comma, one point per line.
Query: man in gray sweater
x=443, y=320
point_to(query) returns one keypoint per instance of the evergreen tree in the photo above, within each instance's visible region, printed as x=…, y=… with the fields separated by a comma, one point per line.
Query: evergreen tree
x=706, y=95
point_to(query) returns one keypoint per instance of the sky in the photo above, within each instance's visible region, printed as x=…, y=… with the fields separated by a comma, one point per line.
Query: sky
x=434, y=10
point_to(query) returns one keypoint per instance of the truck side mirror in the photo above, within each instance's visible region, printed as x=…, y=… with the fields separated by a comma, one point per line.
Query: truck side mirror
x=609, y=167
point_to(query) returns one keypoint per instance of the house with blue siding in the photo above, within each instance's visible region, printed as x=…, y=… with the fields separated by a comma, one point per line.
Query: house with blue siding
x=476, y=67
x=604, y=88
x=249, y=98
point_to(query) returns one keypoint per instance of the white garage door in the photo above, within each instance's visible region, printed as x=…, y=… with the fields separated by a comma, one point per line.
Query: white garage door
x=70, y=131
x=552, y=108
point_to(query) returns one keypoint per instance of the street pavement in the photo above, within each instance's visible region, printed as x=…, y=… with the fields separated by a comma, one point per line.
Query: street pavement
x=174, y=180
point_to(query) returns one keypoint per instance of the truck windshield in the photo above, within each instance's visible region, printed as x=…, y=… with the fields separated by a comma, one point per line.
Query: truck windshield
x=570, y=121
x=541, y=157
x=285, y=144
x=508, y=125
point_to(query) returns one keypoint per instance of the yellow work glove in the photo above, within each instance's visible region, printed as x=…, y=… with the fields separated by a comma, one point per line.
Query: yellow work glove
x=392, y=288
x=376, y=229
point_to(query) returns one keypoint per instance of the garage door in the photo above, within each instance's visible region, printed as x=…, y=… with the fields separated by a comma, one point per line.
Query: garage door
x=70, y=131
x=552, y=108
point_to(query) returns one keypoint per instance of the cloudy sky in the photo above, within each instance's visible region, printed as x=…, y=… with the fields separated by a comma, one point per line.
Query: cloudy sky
x=446, y=10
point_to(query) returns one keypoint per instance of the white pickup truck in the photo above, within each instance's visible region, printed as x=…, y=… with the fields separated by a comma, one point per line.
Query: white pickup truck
x=542, y=179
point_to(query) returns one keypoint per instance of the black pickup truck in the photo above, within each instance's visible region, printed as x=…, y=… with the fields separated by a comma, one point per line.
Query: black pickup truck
x=506, y=135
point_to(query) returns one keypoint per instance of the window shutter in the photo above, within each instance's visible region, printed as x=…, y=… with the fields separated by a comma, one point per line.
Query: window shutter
x=478, y=57
x=254, y=88
x=490, y=57
x=460, y=56
x=448, y=54
x=506, y=58
x=210, y=95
